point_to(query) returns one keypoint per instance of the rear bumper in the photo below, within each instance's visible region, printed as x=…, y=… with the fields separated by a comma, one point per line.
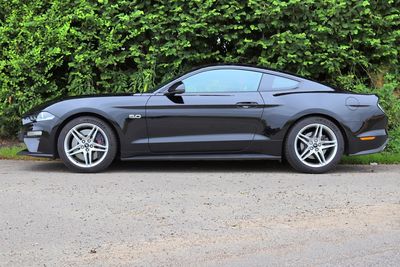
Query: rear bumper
x=367, y=136
x=373, y=150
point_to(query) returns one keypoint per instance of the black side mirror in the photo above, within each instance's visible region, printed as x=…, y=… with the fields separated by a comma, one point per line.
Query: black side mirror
x=177, y=88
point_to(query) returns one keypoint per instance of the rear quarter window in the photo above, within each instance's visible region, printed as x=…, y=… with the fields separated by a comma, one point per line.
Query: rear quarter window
x=271, y=82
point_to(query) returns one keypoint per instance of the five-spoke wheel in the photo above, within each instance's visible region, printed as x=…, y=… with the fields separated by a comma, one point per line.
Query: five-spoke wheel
x=87, y=144
x=314, y=145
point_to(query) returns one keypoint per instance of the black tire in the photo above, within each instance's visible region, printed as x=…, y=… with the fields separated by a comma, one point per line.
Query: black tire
x=290, y=146
x=109, y=155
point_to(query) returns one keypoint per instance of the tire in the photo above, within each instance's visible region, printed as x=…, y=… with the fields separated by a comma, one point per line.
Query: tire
x=87, y=144
x=310, y=151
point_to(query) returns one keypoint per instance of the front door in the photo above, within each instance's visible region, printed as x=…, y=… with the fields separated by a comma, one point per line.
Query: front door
x=218, y=113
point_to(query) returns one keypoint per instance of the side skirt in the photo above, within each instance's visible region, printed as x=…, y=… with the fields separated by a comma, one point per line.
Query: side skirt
x=204, y=157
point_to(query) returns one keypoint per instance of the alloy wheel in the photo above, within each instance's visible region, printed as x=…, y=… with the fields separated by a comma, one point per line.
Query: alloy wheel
x=86, y=145
x=316, y=145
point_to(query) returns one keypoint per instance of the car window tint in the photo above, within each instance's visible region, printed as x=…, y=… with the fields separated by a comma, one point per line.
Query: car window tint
x=280, y=83
x=223, y=81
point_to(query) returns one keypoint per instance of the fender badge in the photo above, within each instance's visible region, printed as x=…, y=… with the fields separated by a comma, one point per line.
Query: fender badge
x=134, y=116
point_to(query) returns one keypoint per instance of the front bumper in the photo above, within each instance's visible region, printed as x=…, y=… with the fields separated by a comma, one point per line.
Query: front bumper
x=39, y=139
x=26, y=152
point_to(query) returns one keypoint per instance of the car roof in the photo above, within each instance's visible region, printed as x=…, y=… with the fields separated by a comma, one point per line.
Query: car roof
x=240, y=66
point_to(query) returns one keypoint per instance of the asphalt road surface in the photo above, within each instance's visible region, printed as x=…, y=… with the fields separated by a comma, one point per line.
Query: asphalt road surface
x=203, y=214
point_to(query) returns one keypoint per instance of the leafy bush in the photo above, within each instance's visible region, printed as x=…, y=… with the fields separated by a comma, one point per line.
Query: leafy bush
x=394, y=144
x=70, y=47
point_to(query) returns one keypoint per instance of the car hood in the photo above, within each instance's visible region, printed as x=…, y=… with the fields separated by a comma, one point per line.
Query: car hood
x=46, y=104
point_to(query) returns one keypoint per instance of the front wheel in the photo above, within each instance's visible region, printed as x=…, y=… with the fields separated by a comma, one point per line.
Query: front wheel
x=87, y=144
x=314, y=145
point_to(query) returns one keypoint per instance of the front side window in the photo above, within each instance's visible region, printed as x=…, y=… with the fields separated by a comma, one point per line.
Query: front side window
x=226, y=80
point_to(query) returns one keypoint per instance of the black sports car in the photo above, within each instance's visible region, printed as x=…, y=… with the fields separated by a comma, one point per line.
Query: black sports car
x=227, y=112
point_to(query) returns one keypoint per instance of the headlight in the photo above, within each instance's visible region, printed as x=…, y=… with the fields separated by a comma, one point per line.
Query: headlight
x=44, y=116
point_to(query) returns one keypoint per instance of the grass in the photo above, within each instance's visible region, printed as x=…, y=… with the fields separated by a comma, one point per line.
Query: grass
x=380, y=158
x=10, y=152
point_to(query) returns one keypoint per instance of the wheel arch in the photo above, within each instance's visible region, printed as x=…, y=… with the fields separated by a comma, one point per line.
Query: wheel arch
x=91, y=114
x=328, y=117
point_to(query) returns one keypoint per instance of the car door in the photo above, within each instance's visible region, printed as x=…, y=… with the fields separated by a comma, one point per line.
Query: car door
x=218, y=113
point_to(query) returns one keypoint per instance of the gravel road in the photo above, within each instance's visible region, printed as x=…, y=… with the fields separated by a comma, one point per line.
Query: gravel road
x=203, y=214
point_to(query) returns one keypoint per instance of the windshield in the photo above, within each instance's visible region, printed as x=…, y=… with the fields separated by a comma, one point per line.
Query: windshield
x=158, y=86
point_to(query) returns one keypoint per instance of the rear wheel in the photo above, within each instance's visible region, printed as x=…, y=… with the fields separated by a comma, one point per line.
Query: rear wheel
x=87, y=144
x=314, y=145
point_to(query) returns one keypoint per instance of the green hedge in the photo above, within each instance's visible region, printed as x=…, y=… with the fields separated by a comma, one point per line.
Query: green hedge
x=63, y=47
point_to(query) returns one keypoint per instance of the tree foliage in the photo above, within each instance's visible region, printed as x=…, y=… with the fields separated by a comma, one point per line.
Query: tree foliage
x=71, y=47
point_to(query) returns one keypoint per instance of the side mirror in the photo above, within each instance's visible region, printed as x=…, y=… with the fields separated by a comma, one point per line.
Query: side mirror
x=177, y=88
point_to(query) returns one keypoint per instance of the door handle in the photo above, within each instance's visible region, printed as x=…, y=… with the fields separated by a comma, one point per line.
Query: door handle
x=247, y=104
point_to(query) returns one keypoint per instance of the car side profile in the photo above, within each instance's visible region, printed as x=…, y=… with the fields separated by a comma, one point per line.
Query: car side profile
x=219, y=112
